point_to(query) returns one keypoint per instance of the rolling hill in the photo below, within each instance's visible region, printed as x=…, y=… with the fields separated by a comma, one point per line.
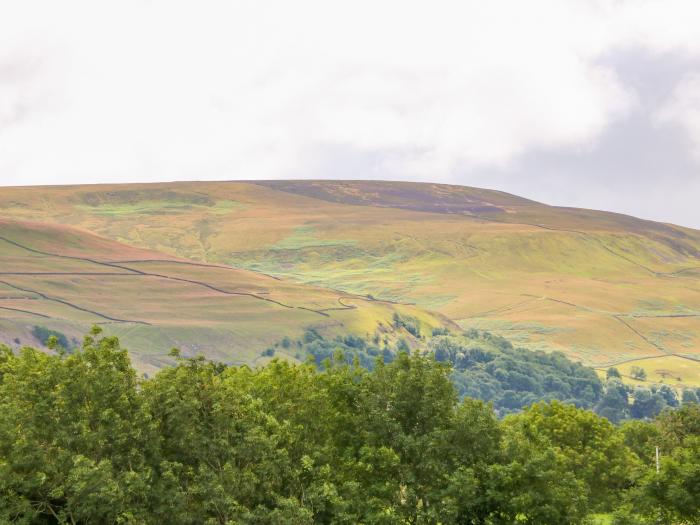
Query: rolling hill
x=604, y=288
x=62, y=280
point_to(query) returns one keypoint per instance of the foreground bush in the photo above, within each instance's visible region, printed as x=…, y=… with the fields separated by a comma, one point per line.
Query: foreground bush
x=83, y=440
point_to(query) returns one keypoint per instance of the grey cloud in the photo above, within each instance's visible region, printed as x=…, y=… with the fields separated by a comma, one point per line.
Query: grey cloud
x=638, y=166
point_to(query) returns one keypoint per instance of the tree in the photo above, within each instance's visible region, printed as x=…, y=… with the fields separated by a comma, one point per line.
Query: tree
x=614, y=405
x=689, y=396
x=590, y=446
x=83, y=440
x=612, y=372
x=670, y=496
x=411, y=408
x=646, y=405
x=675, y=426
x=535, y=484
x=75, y=437
x=668, y=394
x=638, y=373
x=641, y=438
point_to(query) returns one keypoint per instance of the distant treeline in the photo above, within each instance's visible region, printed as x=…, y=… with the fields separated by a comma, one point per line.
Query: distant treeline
x=43, y=334
x=484, y=366
x=83, y=439
x=488, y=367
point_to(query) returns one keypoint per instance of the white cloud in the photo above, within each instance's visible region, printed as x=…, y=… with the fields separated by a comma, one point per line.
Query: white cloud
x=662, y=26
x=683, y=109
x=247, y=89
x=165, y=90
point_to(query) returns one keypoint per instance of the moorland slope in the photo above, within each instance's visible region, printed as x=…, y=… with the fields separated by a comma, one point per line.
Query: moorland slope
x=60, y=280
x=605, y=288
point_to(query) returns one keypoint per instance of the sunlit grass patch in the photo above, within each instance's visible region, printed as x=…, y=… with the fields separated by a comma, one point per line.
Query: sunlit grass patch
x=671, y=370
x=138, y=208
x=304, y=237
x=159, y=207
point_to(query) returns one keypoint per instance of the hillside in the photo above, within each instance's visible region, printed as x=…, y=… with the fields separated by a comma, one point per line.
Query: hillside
x=604, y=288
x=56, y=279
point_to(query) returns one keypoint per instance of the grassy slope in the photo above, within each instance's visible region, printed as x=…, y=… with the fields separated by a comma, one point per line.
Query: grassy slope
x=605, y=288
x=67, y=279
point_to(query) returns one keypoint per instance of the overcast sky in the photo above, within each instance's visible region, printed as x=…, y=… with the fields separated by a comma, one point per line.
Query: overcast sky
x=591, y=103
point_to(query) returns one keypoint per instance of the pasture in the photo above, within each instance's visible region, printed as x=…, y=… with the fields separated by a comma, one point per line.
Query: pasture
x=603, y=288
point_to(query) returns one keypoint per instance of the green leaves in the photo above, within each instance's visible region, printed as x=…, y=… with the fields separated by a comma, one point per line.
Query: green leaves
x=83, y=440
x=671, y=494
x=590, y=446
x=74, y=434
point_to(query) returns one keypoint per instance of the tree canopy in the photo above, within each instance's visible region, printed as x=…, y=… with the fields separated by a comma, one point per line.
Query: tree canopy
x=83, y=439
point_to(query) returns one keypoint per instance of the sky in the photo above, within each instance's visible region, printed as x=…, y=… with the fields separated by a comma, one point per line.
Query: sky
x=593, y=104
